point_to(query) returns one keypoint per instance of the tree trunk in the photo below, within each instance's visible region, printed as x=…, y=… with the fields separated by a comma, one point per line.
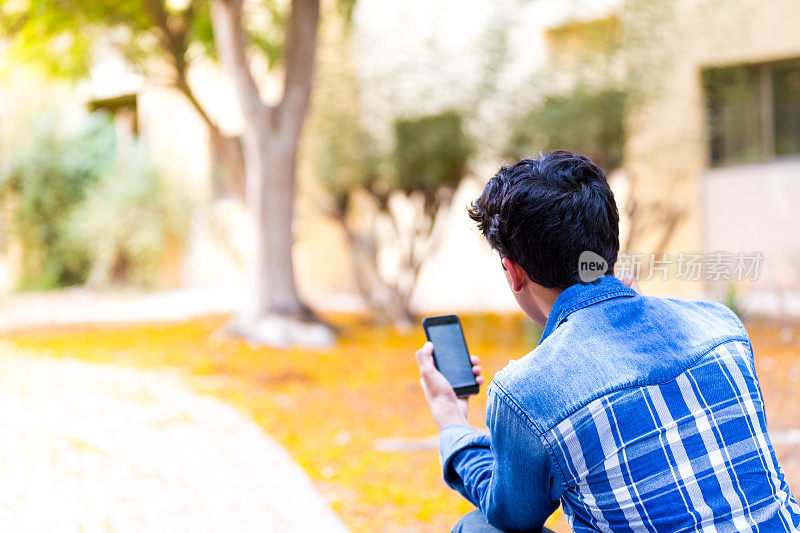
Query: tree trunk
x=270, y=158
x=227, y=164
x=274, y=314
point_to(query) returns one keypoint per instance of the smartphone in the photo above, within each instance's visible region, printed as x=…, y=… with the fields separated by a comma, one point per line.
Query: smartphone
x=450, y=354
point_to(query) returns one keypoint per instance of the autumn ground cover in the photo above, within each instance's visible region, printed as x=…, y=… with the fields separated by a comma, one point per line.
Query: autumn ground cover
x=353, y=417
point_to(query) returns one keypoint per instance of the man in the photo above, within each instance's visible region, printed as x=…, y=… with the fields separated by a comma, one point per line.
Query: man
x=636, y=413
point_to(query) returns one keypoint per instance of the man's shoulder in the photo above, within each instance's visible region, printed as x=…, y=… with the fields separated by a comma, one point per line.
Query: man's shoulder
x=524, y=384
x=719, y=317
x=596, y=353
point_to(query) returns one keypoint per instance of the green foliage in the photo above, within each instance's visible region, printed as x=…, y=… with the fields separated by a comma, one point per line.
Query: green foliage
x=731, y=299
x=79, y=209
x=585, y=121
x=45, y=181
x=127, y=222
x=430, y=153
x=345, y=159
x=430, y=156
x=264, y=26
x=266, y=29
x=58, y=36
x=345, y=9
x=428, y=162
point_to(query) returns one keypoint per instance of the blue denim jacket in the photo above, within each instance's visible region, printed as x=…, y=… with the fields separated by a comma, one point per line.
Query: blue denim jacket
x=636, y=413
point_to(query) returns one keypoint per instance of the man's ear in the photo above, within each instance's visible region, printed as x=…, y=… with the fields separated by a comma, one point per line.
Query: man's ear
x=517, y=274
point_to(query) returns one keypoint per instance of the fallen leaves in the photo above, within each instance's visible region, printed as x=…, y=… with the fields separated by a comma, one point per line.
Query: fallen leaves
x=353, y=417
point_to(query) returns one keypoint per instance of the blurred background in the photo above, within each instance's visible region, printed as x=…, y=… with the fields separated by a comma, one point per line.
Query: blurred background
x=225, y=218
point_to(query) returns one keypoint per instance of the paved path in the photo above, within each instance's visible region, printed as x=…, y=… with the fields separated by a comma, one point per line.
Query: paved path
x=95, y=448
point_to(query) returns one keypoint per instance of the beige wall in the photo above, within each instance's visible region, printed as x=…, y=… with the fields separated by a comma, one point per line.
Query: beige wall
x=754, y=208
x=177, y=139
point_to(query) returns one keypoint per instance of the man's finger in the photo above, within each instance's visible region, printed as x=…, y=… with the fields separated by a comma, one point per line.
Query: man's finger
x=424, y=357
x=476, y=370
x=475, y=359
x=424, y=385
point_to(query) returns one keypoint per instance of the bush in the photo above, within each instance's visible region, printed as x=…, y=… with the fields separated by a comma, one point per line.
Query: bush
x=83, y=210
x=584, y=121
x=127, y=222
x=731, y=299
x=43, y=182
x=429, y=160
x=430, y=153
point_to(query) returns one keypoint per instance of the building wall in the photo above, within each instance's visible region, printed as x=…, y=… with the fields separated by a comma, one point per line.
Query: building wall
x=667, y=144
x=754, y=208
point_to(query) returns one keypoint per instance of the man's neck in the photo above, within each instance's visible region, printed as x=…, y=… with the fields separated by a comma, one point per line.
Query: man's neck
x=543, y=300
x=549, y=298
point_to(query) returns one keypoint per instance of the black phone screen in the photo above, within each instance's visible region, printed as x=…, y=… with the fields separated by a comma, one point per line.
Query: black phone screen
x=451, y=355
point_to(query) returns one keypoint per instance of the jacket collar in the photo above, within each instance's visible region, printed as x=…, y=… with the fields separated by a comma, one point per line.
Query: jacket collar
x=583, y=295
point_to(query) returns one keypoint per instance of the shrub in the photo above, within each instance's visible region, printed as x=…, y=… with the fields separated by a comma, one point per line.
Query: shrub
x=84, y=210
x=583, y=121
x=430, y=153
x=127, y=222
x=43, y=182
x=429, y=160
x=732, y=300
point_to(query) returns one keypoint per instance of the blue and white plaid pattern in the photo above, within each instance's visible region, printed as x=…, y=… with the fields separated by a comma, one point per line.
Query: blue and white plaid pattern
x=689, y=454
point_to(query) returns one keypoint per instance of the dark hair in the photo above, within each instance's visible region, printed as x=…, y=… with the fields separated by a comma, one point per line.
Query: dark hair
x=544, y=212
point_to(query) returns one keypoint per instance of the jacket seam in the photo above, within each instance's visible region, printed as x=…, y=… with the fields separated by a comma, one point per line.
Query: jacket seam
x=736, y=320
x=590, y=301
x=514, y=405
x=639, y=384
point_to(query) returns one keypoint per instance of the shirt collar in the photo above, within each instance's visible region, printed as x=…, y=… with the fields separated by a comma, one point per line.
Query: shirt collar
x=583, y=295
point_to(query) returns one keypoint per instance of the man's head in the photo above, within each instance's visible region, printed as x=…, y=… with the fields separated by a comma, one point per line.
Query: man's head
x=540, y=215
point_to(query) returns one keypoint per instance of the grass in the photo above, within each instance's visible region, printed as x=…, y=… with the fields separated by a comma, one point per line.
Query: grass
x=331, y=409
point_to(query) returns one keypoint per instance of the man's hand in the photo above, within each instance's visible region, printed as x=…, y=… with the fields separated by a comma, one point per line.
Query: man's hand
x=445, y=406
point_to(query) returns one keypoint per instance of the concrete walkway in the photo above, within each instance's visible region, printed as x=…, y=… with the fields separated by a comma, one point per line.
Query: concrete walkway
x=88, y=447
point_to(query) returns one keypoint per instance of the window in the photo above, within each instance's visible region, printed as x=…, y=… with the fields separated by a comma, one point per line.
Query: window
x=786, y=97
x=753, y=112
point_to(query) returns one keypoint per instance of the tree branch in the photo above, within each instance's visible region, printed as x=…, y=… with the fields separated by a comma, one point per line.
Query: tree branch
x=226, y=18
x=182, y=84
x=301, y=44
x=172, y=42
x=175, y=44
